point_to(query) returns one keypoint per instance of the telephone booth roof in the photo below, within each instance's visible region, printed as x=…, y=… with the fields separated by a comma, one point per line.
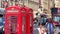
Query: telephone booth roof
x=30, y=9
x=26, y=9
x=13, y=9
x=17, y=7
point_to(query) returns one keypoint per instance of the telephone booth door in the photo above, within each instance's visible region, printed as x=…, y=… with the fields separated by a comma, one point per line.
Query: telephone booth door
x=27, y=20
x=23, y=20
x=12, y=20
x=12, y=23
x=30, y=21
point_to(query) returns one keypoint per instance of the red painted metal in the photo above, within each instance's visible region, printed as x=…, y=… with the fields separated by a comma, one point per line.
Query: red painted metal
x=12, y=13
x=28, y=14
x=24, y=20
x=30, y=21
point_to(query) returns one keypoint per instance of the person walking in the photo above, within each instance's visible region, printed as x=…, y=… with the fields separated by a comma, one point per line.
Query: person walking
x=49, y=26
x=41, y=29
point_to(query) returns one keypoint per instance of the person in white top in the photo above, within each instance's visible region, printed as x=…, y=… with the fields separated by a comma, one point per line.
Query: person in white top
x=42, y=30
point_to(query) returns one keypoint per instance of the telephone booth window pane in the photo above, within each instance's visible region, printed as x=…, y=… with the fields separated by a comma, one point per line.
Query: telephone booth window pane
x=23, y=25
x=31, y=24
x=31, y=20
x=12, y=20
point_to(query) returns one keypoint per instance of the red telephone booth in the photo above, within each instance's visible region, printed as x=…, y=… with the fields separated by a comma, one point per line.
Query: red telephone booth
x=30, y=21
x=18, y=20
x=12, y=20
x=27, y=20
x=23, y=20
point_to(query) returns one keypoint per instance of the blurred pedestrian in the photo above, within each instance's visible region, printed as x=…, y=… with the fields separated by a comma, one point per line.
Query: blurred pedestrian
x=45, y=31
x=41, y=29
x=43, y=20
x=49, y=26
x=35, y=21
x=59, y=33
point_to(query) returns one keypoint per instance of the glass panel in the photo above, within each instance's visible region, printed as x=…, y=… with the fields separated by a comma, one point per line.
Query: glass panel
x=12, y=20
x=23, y=25
x=21, y=0
x=30, y=20
x=31, y=24
x=13, y=11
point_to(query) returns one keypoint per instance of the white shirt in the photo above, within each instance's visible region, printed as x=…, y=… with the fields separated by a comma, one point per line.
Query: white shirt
x=45, y=32
x=41, y=30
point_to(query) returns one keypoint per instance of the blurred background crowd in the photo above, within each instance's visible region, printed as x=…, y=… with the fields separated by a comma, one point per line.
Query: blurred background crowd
x=46, y=13
x=51, y=26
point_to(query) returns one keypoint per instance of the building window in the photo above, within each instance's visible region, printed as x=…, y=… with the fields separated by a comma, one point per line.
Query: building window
x=15, y=0
x=20, y=0
x=50, y=0
x=11, y=0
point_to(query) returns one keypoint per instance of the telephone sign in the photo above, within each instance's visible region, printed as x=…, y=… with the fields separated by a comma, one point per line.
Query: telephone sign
x=12, y=10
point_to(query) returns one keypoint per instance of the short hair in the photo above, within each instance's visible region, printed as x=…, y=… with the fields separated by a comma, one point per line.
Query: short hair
x=40, y=24
x=59, y=33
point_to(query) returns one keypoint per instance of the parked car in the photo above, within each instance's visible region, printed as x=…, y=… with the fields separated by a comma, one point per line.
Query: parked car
x=1, y=20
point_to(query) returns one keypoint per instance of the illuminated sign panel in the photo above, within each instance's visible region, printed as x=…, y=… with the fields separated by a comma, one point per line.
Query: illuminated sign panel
x=12, y=10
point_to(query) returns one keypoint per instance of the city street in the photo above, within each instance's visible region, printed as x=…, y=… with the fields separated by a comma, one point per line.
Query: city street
x=27, y=16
